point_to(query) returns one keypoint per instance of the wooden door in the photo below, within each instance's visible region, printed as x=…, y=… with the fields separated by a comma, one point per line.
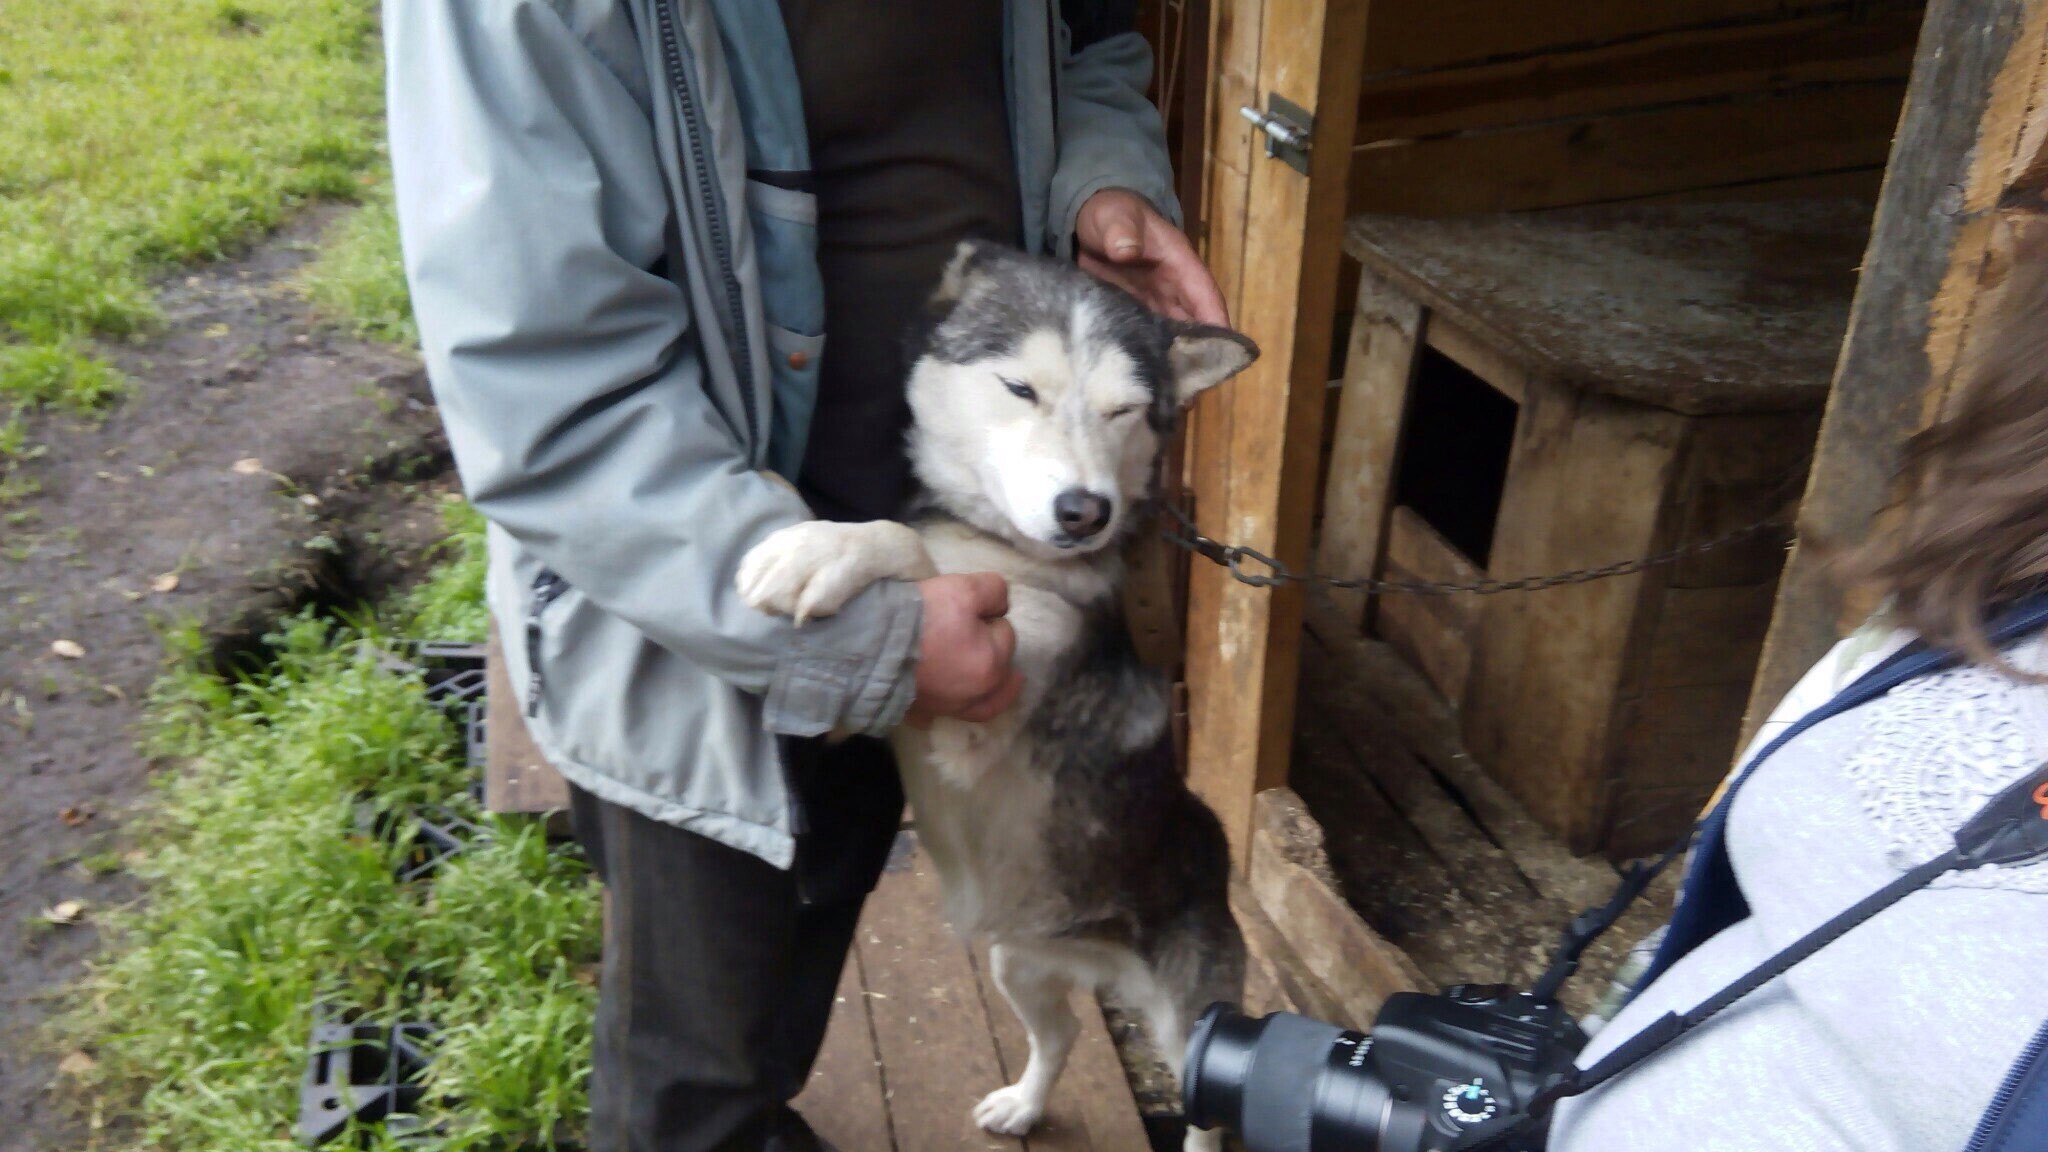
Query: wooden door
x=1273, y=240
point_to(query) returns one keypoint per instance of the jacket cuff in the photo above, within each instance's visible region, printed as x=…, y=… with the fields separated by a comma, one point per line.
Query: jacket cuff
x=854, y=672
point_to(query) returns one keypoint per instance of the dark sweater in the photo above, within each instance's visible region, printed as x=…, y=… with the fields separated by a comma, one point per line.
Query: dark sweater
x=910, y=149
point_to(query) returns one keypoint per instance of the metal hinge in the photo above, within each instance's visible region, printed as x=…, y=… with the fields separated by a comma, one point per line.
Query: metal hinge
x=1287, y=126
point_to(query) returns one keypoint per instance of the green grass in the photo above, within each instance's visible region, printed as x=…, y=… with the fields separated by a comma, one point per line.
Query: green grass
x=358, y=279
x=136, y=135
x=261, y=899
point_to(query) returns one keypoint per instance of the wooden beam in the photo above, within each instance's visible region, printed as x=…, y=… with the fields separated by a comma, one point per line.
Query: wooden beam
x=1666, y=68
x=1243, y=641
x=1436, y=632
x=1573, y=453
x=517, y=778
x=1452, y=33
x=1975, y=124
x=1379, y=370
x=1291, y=880
x=1643, y=152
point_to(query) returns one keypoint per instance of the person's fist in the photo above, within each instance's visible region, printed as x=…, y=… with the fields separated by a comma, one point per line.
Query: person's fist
x=963, y=662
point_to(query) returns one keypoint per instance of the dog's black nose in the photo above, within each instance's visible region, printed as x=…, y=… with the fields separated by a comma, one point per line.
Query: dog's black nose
x=1081, y=513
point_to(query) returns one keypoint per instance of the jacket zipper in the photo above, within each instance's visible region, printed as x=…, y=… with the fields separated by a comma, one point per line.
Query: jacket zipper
x=714, y=207
x=1052, y=53
x=547, y=588
x=2002, y=1099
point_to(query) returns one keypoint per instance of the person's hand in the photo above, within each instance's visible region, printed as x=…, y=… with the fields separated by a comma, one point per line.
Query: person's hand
x=963, y=661
x=1121, y=238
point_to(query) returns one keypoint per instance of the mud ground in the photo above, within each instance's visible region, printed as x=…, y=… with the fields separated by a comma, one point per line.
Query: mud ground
x=265, y=461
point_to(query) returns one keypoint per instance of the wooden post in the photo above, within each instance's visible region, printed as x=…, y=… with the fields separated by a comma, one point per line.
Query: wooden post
x=1572, y=452
x=1386, y=339
x=1274, y=239
x=1975, y=125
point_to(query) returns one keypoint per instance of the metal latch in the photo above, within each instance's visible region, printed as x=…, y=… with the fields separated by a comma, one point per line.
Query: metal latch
x=1287, y=126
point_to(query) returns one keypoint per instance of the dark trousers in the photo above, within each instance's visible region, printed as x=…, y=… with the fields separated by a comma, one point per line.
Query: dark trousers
x=720, y=970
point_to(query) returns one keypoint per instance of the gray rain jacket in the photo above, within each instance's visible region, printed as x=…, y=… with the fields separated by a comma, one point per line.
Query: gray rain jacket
x=612, y=256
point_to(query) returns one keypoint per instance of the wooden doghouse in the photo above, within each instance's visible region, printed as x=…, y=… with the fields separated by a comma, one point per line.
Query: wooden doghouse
x=1546, y=392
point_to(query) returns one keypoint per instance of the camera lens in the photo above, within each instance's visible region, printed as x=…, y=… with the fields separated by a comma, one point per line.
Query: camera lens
x=1284, y=1083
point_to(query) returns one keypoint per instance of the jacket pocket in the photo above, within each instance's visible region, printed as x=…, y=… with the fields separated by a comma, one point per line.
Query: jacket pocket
x=785, y=224
x=547, y=588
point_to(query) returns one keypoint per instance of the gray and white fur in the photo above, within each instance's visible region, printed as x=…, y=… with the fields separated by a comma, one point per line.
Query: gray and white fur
x=1061, y=830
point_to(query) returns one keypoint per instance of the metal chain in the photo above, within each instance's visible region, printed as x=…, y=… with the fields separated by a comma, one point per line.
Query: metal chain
x=1235, y=557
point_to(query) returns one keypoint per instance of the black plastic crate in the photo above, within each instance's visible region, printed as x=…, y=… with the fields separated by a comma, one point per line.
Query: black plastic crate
x=365, y=1073
x=453, y=671
x=439, y=834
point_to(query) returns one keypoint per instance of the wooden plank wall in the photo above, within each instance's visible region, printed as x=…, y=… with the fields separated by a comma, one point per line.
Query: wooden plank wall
x=1503, y=105
x=1965, y=192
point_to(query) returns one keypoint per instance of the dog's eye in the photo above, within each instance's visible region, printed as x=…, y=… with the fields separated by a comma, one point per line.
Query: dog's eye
x=1020, y=390
x=1126, y=410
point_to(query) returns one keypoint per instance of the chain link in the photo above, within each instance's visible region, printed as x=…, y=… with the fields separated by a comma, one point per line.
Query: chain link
x=1236, y=558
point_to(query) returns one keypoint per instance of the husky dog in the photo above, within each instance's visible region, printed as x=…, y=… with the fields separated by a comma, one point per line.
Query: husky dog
x=1061, y=830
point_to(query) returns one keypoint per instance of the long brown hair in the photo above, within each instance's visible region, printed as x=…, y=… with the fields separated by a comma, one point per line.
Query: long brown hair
x=1974, y=531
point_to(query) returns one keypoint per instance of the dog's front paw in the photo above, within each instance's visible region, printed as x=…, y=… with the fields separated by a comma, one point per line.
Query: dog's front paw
x=812, y=569
x=806, y=570
x=1009, y=1111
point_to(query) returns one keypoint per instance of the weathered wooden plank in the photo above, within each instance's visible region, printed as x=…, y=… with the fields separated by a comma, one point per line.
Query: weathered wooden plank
x=1481, y=869
x=1679, y=738
x=1474, y=355
x=517, y=778
x=1092, y=1109
x=1414, y=37
x=1646, y=152
x=1435, y=631
x=1378, y=372
x=843, y=1099
x=1291, y=879
x=931, y=1027
x=1662, y=69
x=1243, y=640
x=1644, y=819
x=1859, y=183
x=1740, y=470
x=1978, y=73
x=1386, y=704
x=1708, y=636
x=1587, y=485
x=1275, y=979
x=1705, y=309
x=1235, y=29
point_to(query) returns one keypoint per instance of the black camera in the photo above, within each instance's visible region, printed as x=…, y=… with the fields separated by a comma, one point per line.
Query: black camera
x=1435, y=1074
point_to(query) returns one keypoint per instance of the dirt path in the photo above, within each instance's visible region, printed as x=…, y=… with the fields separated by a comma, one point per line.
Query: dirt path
x=263, y=460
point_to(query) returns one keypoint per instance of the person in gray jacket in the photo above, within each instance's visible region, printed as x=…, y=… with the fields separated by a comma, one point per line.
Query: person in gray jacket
x=630, y=228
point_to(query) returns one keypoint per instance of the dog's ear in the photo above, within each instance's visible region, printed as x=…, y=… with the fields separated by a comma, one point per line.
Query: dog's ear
x=1203, y=356
x=969, y=257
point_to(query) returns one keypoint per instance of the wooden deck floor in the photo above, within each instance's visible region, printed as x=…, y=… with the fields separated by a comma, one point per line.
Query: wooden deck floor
x=920, y=1034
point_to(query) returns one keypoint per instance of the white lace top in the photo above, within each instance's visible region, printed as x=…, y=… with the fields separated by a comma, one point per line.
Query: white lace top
x=1893, y=1038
